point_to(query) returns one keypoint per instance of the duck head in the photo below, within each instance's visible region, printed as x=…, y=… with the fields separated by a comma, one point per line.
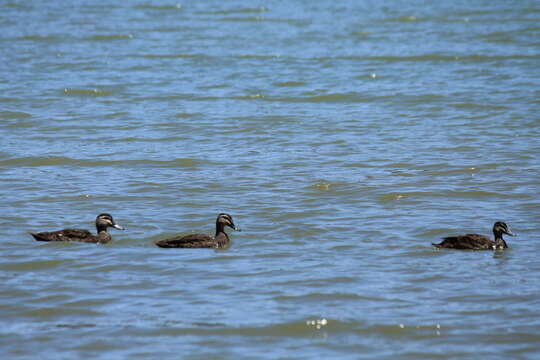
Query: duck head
x=226, y=220
x=103, y=221
x=500, y=228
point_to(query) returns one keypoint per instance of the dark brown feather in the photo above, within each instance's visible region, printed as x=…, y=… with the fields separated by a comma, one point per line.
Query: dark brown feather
x=467, y=242
x=195, y=241
x=71, y=235
x=103, y=221
x=202, y=240
x=478, y=242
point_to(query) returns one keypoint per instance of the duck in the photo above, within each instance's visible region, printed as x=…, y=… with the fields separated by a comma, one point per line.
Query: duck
x=103, y=221
x=478, y=242
x=220, y=240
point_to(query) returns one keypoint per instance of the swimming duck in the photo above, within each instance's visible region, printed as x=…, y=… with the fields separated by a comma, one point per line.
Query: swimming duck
x=478, y=242
x=202, y=240
x=103, y=221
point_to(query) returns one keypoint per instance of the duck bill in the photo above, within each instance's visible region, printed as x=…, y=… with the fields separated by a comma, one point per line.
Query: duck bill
x=234, y=227
x=510, y=233
x=116, y=226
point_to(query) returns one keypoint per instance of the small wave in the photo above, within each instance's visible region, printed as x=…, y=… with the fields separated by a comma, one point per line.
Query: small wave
x=14, y=115
x=219, y=258
x=481, y=107
x=342, y=247
x=410, y=18
x=148, y=140
x=50, y=312
x=62, y=160
x=15, y=5
x=238, y=19
x=118, y=114
x=75, y=325
x=248, y=97
x=158, y=7
x=184, y=115
x=289, y=83
x=401, y=329
x=321, y=186
x=171, y=56
x=234, y=11
x=451, y=194
x=31, y=265
x=474, y=58
x=174, y=97
x=435, y=233
x=108, y=37
x=18, y=124
x=322, y=297
x=321, y=283
x=306, y=328
x=86, y=92
x=350, y=97
x=37, y=161
x=38, y=38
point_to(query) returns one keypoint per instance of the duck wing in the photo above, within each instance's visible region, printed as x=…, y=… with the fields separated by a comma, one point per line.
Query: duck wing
x=189, y=241
x=466, y=242
x=65, y=235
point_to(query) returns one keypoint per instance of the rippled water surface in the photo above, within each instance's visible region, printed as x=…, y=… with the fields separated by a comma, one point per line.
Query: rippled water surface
x=343, y=136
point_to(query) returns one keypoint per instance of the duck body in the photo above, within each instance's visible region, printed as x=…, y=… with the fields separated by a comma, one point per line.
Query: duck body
x=220, y=240
x=476, y=241
x=195, y=241
x=79, y=235
x=103, y=221
x=469, y=242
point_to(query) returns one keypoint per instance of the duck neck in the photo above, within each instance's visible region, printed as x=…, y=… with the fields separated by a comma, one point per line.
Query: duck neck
x=222, y=238
x=220, y=228
x=104, y=237
x=101, y=228
x=499, y=241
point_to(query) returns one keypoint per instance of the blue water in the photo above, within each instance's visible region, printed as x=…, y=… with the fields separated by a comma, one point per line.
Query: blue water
x=343, y=137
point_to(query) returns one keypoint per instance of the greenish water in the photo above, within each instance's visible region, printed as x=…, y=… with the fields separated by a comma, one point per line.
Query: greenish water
x=344, y=138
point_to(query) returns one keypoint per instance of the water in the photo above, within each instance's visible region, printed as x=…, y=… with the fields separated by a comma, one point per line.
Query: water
x=344, y=137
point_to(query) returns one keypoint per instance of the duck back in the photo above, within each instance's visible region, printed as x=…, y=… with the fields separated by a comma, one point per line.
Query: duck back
x=63, y=235
x=194, y=241
x=466, y=242
x=78, y=235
